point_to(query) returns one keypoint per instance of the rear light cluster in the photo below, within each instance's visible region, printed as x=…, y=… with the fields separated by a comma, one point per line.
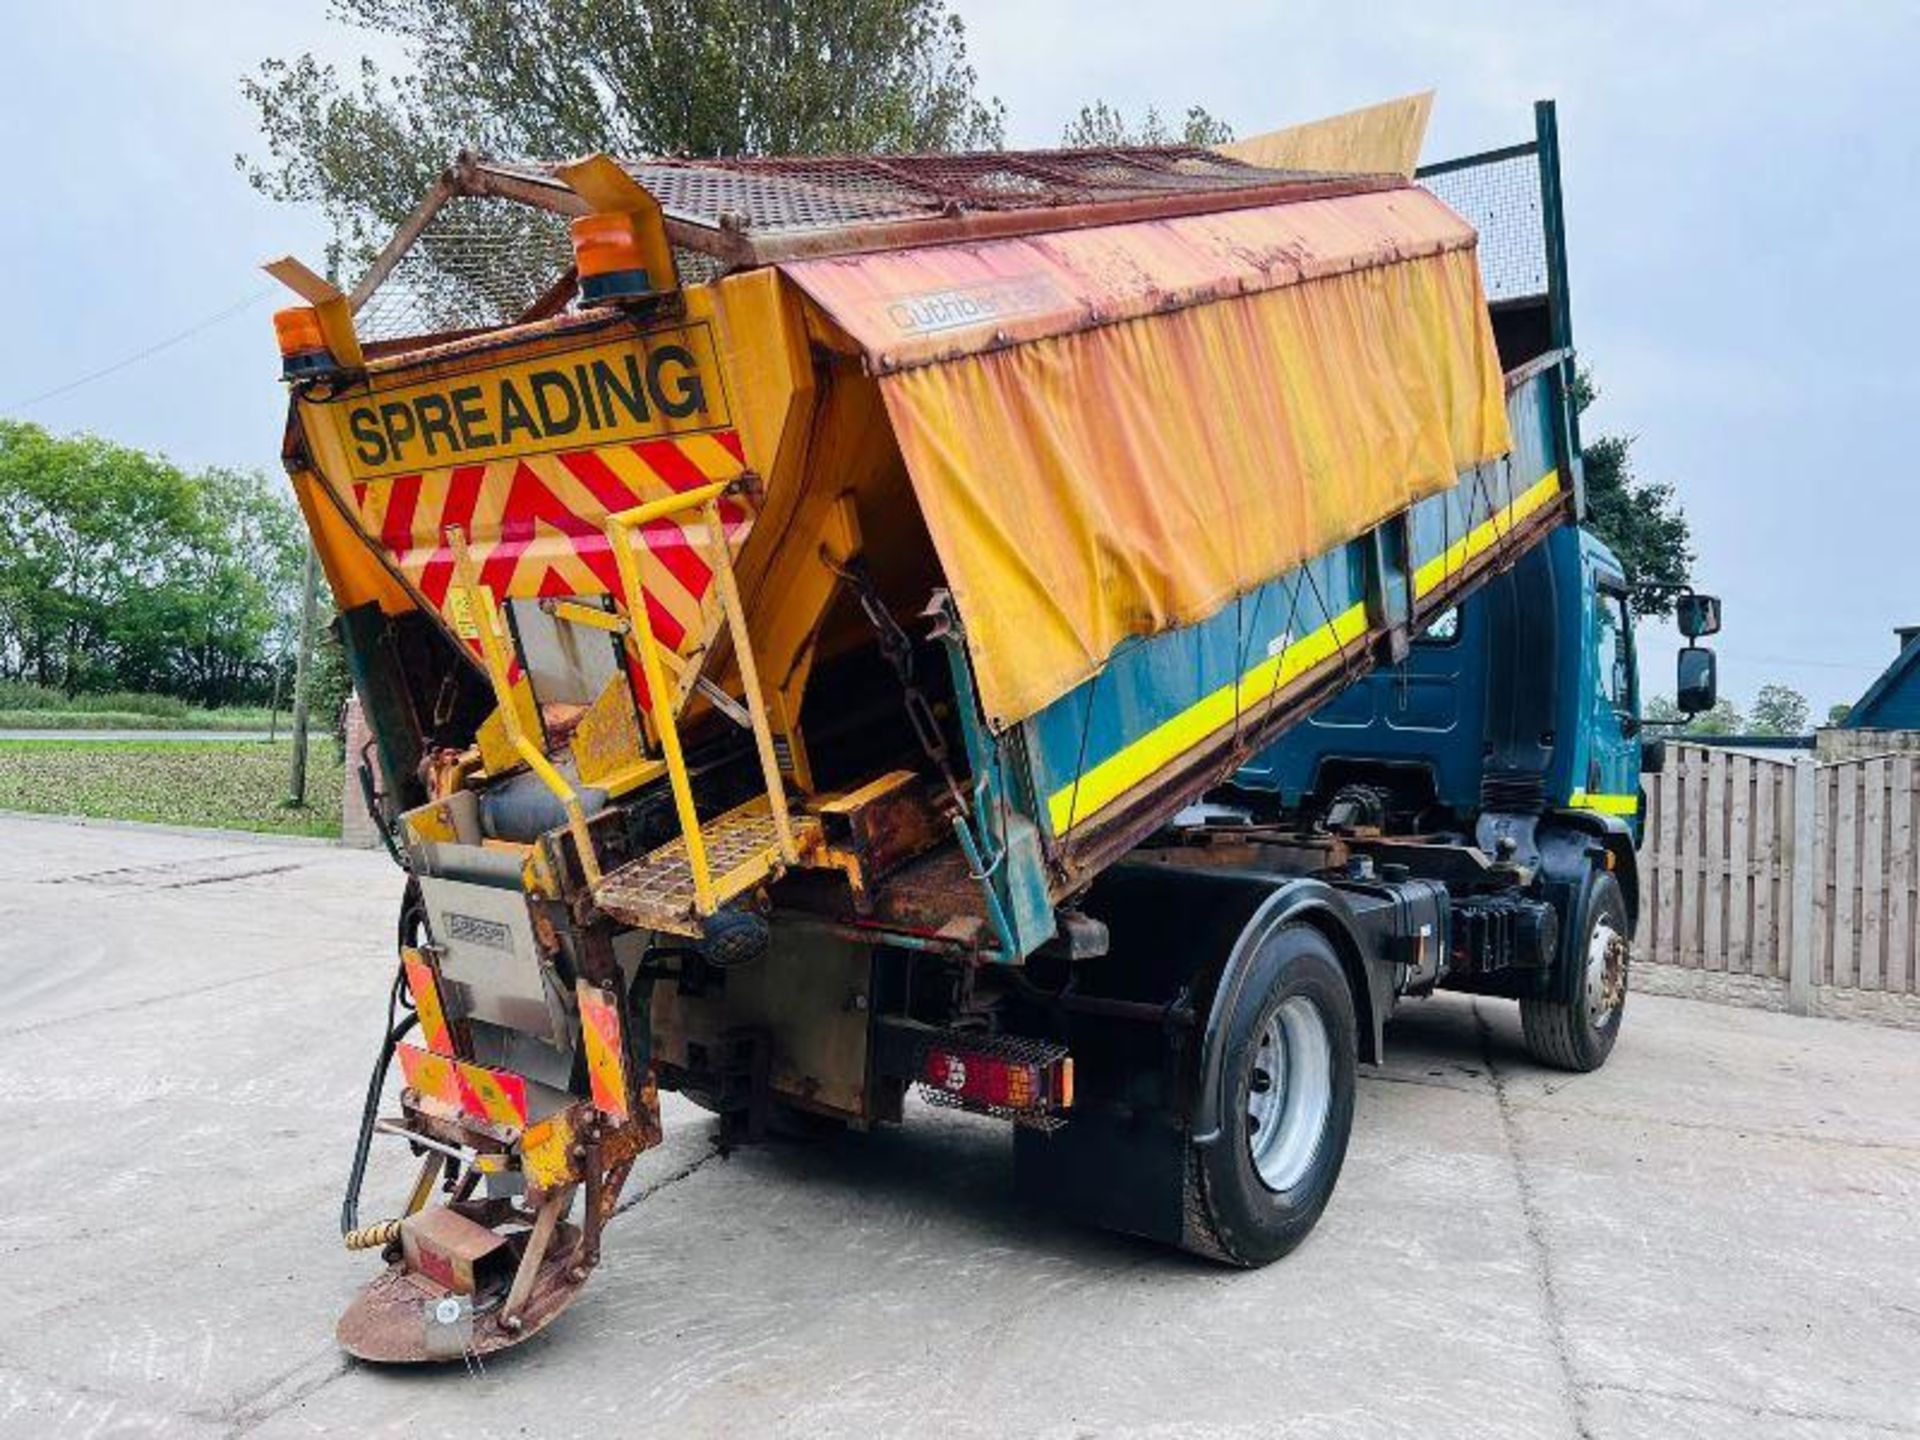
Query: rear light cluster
x=998, y=1084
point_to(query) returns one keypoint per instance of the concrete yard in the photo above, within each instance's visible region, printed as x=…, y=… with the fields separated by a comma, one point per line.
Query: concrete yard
x=1718, y=1235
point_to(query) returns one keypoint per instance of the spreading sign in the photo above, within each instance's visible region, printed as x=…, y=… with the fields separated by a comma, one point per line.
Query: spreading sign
x=663, y=383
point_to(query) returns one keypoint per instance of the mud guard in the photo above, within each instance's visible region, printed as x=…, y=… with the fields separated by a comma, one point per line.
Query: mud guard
x=1574, y=845
x=1145, y=1092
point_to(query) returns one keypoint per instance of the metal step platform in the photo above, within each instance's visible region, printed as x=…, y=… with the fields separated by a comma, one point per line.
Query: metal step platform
x=657, y=891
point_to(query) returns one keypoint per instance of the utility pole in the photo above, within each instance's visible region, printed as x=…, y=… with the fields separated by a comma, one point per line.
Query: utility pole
x=303, y=676
x=279, y=685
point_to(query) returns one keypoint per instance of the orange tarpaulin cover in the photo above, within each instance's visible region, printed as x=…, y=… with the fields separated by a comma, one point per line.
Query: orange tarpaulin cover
x=1114, y=431
x=1376, y=139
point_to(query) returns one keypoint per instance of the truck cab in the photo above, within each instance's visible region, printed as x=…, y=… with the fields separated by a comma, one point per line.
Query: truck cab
x=1489, y=709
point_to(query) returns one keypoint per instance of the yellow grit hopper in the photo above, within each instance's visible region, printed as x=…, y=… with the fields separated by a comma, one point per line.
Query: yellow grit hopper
x=523, y=451
x=582, y=530
x=466, y=476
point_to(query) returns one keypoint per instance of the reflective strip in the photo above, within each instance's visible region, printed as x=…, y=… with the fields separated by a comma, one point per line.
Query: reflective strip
x=459, y=1088
x=1605, y=804
x=430, y=1076
x=1486, y=534
x=493, y=1095
x=1166, y=742
x=600, y=1028
x=536, y=525
x=426, y=1003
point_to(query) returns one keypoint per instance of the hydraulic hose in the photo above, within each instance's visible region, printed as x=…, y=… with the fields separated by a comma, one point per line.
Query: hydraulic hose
x=350, y=1204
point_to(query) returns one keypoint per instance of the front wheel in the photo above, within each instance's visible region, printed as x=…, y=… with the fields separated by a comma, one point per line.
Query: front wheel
x=1578, y=1033
x=1258, y=1190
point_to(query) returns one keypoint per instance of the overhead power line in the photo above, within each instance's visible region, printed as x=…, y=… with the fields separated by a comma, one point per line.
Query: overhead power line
x=145, y=353
x=1747, y=658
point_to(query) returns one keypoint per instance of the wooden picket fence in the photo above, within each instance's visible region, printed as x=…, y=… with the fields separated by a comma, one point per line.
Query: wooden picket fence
x=1784, y=870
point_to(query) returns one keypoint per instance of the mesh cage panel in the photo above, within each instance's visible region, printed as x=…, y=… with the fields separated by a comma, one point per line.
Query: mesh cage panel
x=762, y=196
x=1501, y=199
x=482, y=261
x=479, y=263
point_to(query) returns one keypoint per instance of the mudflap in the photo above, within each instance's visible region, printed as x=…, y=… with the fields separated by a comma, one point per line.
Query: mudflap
x=1108, y=1167
x=1137, y=1039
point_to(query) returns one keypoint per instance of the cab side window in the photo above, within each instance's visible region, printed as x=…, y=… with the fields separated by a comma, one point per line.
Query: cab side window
x=1613, y=648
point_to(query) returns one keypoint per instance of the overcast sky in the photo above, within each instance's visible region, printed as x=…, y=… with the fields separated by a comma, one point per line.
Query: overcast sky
x=1741, y=186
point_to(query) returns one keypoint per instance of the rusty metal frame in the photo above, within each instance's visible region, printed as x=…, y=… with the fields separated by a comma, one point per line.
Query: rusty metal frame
x=395, y=250
x=739, y=247
x=945, y=207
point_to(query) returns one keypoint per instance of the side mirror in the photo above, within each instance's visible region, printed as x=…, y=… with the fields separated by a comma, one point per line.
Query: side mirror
x=1697, y=680
x=1653, y=756
x=1697, y=615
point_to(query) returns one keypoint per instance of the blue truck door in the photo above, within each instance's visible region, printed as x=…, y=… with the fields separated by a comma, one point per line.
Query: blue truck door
x=1611, y=783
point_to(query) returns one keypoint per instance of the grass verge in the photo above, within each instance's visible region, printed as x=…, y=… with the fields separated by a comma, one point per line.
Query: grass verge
x=237, y=719
x=231, y=785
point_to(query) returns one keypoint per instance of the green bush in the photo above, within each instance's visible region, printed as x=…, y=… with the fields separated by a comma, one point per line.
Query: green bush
x=20, y=695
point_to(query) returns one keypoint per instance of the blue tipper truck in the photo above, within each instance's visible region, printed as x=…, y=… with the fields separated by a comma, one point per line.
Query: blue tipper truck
x=1080, y=635
x=1465, y=816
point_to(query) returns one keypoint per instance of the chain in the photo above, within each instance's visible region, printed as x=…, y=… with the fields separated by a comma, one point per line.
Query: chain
x=897, y=648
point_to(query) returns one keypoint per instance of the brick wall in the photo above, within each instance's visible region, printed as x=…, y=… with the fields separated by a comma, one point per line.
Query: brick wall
x=357, y=827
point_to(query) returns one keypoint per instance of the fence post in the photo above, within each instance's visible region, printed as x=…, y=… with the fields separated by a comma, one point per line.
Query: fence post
x=1802, y=865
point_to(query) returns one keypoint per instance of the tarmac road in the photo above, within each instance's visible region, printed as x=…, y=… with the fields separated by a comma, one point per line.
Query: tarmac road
x=1718, y=1235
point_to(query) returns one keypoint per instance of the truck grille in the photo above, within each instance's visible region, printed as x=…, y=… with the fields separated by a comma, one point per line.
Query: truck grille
x=1514, y=792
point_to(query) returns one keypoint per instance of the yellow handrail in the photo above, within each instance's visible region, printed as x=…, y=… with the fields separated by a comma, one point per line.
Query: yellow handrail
x=486, y=621
x=750, y=681
x=705, y=498
x=659, y=697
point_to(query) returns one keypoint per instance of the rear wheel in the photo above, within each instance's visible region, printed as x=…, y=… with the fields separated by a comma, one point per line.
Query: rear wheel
x=1578, y=1033
x=1258, y=1190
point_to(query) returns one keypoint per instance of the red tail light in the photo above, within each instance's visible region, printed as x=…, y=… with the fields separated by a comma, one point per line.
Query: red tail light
x=995, y=1082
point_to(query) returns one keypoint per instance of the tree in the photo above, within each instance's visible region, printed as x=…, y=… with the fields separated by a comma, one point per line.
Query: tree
x=1641, y=520
x=1779, y=710
x=120, y=571
x=1837, y=714
x=557, y=78
x=1101, y=126
x=1660, y=710
x=1722, y=719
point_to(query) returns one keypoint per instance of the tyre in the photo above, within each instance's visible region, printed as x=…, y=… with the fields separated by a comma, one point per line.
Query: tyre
x=1578, y=1034
x=1291, y=1051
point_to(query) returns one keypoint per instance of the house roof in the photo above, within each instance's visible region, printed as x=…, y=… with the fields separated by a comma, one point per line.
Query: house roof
x=1892, y=702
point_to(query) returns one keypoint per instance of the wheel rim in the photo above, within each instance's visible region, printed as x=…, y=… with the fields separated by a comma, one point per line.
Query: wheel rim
x=1289, y=1093
x=1606, y=973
